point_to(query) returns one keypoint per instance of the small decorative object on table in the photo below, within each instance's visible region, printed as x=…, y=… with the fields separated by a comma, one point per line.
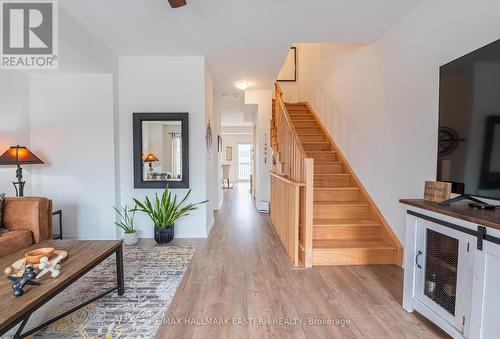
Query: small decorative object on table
x=28, y=278
x=16, y=268
x=437, y=191
x=164, y=212
x=52, y=258
x=34, y=256
x=51, y=266
x=126, y=223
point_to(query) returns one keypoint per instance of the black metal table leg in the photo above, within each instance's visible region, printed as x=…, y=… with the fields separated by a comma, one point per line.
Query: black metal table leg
x=59, y=213
x=120, y=279
x=62, y=315
x=21, y=327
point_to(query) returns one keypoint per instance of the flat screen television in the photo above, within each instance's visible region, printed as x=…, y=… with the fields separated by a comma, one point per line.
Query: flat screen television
x=469, y=123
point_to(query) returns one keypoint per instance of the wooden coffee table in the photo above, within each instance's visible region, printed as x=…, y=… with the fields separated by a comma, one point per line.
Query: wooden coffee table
x=82, y=257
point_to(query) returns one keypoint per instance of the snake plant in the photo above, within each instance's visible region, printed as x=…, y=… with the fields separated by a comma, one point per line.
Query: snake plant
x=165, y=210
x=126, y=222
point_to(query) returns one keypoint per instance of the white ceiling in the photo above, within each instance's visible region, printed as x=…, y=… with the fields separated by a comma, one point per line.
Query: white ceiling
x=242, y=39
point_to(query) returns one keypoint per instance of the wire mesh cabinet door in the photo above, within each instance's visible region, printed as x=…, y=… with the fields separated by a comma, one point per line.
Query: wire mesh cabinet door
x=444, y=272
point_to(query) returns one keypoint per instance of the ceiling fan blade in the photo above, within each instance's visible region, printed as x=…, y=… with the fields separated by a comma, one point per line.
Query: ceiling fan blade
x=177, y=3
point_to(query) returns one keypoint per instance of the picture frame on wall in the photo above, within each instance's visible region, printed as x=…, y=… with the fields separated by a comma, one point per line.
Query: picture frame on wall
x=288, y=72
x=229, y=153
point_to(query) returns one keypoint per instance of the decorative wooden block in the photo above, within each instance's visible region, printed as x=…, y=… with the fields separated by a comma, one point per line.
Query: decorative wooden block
x=437, y=191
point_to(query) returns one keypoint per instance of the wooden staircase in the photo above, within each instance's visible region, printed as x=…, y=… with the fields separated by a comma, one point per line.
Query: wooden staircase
x=348, y=228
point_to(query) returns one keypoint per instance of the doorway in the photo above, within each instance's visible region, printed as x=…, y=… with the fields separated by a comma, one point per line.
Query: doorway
x=244, y=162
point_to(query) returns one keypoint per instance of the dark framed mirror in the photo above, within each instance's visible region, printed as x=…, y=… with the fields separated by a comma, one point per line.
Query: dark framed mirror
x=161, y=150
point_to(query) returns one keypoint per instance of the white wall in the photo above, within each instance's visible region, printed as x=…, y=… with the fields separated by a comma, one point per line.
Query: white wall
x=165, y=84
x=232, y=136
x=71, y=129
x=48, y=108
x=14, y=122
x=380, y=101
x=80, y=51
x=212, y=176
x=79, y=102
x=263, y=99
x=217, y=106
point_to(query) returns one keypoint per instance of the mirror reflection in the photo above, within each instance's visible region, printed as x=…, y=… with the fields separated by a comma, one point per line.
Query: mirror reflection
x=162, y=150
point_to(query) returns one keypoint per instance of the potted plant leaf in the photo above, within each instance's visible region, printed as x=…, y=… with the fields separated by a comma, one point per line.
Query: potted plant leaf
x=164, y=211
x=126, y=223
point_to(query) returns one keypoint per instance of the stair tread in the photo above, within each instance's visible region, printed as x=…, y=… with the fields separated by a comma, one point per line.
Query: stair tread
x=329, y=190
x=342, y=203
x=321, y=152
x=331, y=174
x=322, y=222
x=333, y=244
x=347, y=188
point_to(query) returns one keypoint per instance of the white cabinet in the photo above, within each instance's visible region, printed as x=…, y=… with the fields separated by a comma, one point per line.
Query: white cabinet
x=486, y=291
x=451, y=277
x=443, y=277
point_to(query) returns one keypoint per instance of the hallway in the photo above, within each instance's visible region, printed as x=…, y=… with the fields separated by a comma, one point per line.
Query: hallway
x=240, y=280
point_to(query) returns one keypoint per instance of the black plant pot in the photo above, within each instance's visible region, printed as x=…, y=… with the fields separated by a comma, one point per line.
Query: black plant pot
x=164, y=235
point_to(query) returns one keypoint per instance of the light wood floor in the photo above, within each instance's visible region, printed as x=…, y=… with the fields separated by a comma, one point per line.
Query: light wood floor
x=242, y=271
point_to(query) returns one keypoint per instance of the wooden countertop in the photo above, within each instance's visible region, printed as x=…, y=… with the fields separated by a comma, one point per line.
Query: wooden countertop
x=460, y=210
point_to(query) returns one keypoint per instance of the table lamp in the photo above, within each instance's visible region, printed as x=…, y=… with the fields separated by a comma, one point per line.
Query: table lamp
x=150, y=158
x=19, y=155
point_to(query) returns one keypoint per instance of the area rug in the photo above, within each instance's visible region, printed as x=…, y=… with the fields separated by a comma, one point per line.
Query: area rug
x=151, y=279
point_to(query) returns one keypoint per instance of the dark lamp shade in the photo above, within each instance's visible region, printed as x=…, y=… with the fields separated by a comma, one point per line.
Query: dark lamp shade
x=19, y=155
x=150, y=158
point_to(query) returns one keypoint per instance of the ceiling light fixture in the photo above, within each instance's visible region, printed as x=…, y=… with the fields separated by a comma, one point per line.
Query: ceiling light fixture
x=243, y=85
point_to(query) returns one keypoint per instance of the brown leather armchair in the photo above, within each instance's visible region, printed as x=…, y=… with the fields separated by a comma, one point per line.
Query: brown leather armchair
x=29, y=221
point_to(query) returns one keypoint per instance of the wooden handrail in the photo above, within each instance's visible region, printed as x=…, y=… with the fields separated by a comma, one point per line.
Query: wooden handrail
x=288, y=120
x=292, y=186
x=288, y=181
